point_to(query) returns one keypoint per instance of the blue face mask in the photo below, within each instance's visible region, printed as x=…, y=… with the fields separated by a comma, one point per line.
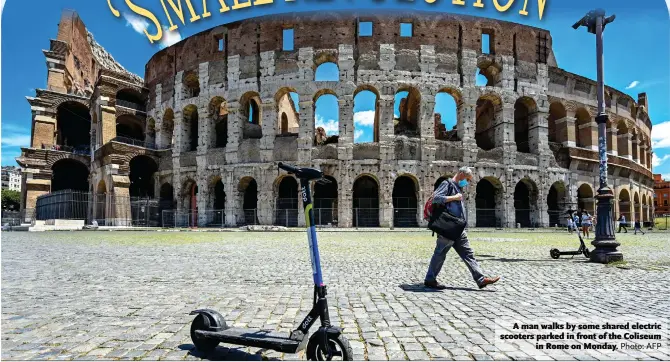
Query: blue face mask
x=462, y=183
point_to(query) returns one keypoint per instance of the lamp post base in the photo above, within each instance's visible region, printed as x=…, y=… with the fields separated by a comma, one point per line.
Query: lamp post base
x=605, y=243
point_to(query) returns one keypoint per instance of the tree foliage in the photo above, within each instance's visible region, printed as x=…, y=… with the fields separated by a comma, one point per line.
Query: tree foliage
x=11, y=200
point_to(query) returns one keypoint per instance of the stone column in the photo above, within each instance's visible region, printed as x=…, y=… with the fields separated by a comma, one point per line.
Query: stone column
x=179, y=139
x=107, y=120
x=44, y=129
x=345, y=201
x=636, y=150
x=589, y=131
x=504, y=133
x=235, y=120
x=612, y=146
x=301, y=211
x=306, y=132
x=266, y=204
x=538, y=133
x=202, y=199
x=386, y=129
x=345, y=142
x=466, y=126
x=121, y=201
x=565, y=129
x=427, y=127
x=643, y=155
x=386, y=200
x=268, y=116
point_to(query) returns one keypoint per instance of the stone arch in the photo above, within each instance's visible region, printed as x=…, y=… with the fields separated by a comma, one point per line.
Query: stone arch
x=585, y=198
x=584, y=129
x=68, y=173
x=189, y=200
x=286, y=201
x=131, y=98
x=251, y=113
x=167, y=128
x=525, y=115
x=165, y=201
x=326, y=68
x=488, y=116
x=489, y=202
x=150, y=129
x=191, y=85
x=73, y=124
x=408, y=106
x=635, y=142
x=326, y=126
x=405, y=197
x=488, y=69
x=557, y=203
x=288, y=116
x=129, y=127
x=248, y=200
x=218, y=129
x=141, y=174
x=623, y=139
x=189, y=131
x=365, y=201
x=326, y=202
x=558, y=130
x=525, y=203
x=447, y=126
x=216, y=203
x=366, y=108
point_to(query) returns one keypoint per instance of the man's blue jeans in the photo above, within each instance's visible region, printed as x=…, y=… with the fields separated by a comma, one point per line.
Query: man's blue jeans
x=463, y=249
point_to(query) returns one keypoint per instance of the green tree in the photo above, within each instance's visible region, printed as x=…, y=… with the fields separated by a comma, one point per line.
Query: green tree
x=11, y=200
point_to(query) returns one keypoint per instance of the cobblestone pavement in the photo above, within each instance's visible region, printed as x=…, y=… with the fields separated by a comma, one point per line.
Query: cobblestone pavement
x=127, y=295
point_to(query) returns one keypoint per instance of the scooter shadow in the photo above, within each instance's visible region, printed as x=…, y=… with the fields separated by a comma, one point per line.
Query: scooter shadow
x=420, y=288
x=225, y=354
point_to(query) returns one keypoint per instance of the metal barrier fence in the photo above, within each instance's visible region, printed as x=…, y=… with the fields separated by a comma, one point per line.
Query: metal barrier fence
x=135, y=142
x=405, y=217
x=64, y=205
x=365, y=217
x=487, y=218
x=10, y=218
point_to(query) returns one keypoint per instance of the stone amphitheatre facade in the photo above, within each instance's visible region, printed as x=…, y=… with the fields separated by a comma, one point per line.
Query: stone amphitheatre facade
x=204, y=130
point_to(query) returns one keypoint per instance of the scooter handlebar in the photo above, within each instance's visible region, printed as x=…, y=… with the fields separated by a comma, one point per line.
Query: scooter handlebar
x=288, y=168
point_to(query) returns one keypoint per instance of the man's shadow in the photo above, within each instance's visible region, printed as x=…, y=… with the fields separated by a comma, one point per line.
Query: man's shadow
x=420, y=288
x=225, y=354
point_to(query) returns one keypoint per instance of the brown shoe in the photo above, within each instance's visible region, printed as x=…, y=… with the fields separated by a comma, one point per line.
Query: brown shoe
x=434, y=285
x=488, y=281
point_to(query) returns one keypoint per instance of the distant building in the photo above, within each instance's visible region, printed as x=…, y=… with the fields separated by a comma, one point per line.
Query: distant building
x=661, y=195
x=11, y=178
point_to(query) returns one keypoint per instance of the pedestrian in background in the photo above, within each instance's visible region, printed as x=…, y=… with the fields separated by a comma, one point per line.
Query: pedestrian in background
x=637, y=227
x=622, y=223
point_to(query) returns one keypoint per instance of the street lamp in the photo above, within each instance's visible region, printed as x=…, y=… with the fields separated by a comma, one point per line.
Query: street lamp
x=605, y=242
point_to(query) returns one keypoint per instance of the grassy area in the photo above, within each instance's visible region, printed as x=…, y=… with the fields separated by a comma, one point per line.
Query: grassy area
x=662, y=223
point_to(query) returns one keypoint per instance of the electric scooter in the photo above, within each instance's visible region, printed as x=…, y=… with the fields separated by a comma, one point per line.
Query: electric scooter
x=209, y=328
x=555, y=253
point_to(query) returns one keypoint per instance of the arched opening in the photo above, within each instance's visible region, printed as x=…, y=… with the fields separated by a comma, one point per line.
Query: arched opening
x=288, y=116
x=439, y=181
x=327, y=72
x=405, y=202
x=637, y=206
x=190, y=128
x=487, y=73
x=524, y=203
x=129, y=128
x=583, y=130
x=190, y=202
x=142, y=169
x=248, y=188
x=524, y=110
x=150, y=130
x=132, y=99
x=218, y=113
x=69, y=174
x=585, y=199
x=73, y=122
x=488, y=111
x=636, y=145
x=167, y=140
x=166, y=202
x=446, y=117
x=191, y=85
x=365, y=202
x=557, y=204
x=556, y=133
x=406, y=112
x=487, y=203
x=326, y=119
x=216, y=217
x=366, y=115
x=325, y=202
x=286, y=211
x=250, y=108
x=624, y=205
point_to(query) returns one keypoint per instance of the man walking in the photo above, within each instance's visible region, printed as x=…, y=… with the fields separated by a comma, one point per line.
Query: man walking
x=449, y=194
x=637, y=227
x=622, y=223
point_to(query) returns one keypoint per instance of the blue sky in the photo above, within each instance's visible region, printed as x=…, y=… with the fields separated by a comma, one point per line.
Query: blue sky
x=636, y=55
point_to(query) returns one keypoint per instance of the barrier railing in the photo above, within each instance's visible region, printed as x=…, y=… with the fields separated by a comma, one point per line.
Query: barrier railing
x=135, y=142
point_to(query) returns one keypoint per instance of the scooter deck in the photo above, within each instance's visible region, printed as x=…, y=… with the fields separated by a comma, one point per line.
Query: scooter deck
x=254, y=338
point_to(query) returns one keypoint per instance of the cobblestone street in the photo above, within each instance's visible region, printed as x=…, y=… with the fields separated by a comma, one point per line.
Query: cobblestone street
x=127, y=295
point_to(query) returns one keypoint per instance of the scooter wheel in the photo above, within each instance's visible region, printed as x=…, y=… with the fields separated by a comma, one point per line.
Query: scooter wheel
x=555, y=254
x=339, y=346
x=204, y=345
x=587, y=253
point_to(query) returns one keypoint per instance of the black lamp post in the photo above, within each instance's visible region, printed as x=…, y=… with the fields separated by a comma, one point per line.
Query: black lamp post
x=605, y=242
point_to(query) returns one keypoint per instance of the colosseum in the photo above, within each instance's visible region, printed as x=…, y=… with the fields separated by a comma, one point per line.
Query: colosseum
x=197, y=141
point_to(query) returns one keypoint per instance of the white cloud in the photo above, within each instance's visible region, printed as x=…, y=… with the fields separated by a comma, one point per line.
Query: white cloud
x=666, y=176
x=633, y=84
x=331, y=126
x=660, y=135
x=140, y=24
x=16, y=140
x=358, y=134
x=657, y=161
x=365, y=118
